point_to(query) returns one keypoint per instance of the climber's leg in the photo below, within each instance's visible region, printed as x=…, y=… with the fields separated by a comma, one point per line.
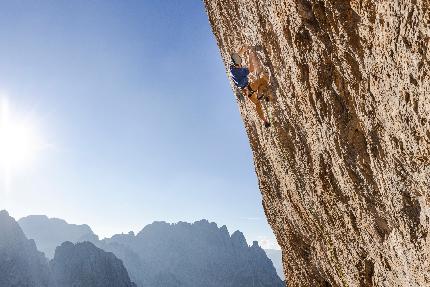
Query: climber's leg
x=269, y=95
x=258, y=107
x=267, y=91
x=260, y=83
x=260, y=86
x=251, y=64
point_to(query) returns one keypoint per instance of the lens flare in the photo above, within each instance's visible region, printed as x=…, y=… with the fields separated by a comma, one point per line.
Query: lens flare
x=19, y=141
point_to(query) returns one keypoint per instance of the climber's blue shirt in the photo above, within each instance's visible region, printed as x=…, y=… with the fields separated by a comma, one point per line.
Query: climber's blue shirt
x=239, y=76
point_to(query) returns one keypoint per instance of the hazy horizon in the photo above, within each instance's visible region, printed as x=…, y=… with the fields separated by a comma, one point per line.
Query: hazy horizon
x=230, y=231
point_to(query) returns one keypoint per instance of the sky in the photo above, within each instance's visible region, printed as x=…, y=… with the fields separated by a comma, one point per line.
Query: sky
x=136, y=115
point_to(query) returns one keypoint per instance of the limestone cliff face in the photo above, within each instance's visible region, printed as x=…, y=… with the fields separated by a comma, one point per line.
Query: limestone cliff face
x=345, y=168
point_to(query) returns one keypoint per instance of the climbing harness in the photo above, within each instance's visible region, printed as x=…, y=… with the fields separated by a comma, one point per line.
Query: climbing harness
x=251, y=92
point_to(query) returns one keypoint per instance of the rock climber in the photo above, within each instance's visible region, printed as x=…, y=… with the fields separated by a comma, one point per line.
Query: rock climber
x=252, y=88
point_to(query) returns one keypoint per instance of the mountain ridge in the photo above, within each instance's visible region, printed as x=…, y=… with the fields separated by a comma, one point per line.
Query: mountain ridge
x=165, y=254
x=74, y=265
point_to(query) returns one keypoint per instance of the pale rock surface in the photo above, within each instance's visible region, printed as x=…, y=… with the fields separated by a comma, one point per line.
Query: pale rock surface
x=345, y=168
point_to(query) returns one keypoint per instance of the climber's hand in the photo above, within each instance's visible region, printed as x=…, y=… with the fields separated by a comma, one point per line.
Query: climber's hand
x=243, y=50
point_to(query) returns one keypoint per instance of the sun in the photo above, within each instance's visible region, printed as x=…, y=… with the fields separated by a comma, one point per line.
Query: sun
x=19, y=140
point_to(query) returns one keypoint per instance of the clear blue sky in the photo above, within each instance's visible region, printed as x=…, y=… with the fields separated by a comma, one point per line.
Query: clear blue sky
x=134, y=99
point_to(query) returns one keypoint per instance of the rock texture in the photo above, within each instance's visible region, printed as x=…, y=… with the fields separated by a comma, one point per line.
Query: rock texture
x=84, y=265
x=49, y=233
x=21, y=265
x=345, y=168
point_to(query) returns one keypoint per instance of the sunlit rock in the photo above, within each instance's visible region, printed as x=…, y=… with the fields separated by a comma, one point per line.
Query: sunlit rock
x=344, y=169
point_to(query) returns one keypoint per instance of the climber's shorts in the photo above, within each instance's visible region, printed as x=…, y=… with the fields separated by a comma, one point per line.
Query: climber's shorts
x=250, y=90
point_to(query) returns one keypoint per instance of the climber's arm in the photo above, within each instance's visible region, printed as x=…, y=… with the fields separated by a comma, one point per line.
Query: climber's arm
x=252, y=59
x=254, y=62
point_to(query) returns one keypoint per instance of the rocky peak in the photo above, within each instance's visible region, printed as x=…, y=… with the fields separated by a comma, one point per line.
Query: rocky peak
x=193, y=255
x=20, y=262
x=51, y=232
x=84, y=265
x=224, y=232
x=238, y=239
x=80, y=265
x=11, y=232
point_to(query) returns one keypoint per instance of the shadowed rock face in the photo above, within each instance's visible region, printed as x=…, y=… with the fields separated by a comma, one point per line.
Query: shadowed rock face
x=84, y=265
x=20, y=262
x=345, y=168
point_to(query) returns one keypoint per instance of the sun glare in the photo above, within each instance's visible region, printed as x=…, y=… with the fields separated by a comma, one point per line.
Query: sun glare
x=19, y=140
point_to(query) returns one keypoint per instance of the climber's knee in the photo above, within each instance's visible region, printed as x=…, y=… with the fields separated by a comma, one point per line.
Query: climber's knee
x=260, y=84
x=253, y=86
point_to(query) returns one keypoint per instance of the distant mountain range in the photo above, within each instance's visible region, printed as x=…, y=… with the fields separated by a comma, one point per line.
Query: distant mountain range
x=80, y=265
x=193, y=255
x=169, y=255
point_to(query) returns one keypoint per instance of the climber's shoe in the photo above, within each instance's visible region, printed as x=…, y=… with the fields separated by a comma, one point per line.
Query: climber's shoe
x=268, y=96
x=258, y=48
x=260, y=96
x=267, y=124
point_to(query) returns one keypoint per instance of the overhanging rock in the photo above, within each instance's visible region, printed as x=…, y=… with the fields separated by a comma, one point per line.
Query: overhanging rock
x=345, y=168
